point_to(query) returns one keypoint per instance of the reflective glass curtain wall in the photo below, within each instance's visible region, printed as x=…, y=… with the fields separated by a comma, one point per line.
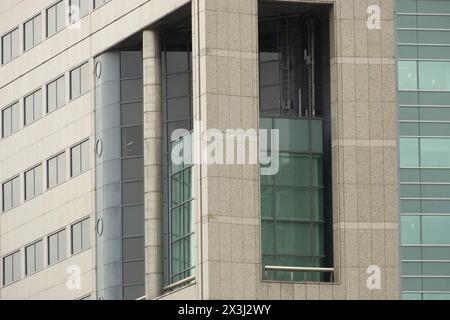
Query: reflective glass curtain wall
x=294, y=98
x=176, y=77
x=119, y=176
x=423, y=50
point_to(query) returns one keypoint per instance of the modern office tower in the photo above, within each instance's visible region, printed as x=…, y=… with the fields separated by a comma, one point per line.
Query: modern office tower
x=215, y=149
x=423, y=47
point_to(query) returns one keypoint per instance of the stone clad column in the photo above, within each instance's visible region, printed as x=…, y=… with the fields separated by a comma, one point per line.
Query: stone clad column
x=153, y=165
x=225, y=91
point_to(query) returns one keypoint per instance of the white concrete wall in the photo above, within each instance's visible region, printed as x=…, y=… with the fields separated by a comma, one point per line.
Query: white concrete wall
x=58, y=131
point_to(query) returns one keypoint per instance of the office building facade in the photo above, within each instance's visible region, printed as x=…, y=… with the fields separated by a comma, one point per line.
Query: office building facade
x=98, y=98
x=423, y=100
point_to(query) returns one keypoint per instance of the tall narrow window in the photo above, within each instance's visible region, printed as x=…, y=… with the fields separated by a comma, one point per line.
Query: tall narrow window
x=99, y=3
x=10, y=46
x=55, y=18
x=32, y=32
x=57, y=250
x=11, y=194
x=296, y=211
x=33, y=107
x=79, y=159
x=79, y=81
x=81, y=236
x=34, y=258
x=56, y=95
x=33, y=182
x=56, y=170
x=78, y=9
x=11, y=268
x=10, y=120
x=177, y=178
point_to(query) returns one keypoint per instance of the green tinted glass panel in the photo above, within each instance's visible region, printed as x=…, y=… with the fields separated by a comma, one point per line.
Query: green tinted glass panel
x=293, y=238
x=407, y=75
x=411, y=296
x=294, y=171
x=436, y=296
x=294, y=135
x=293, y=203
x=435, y=152
x=434, y=75
x=436, y=230
x=409, y=152
x=410, y=232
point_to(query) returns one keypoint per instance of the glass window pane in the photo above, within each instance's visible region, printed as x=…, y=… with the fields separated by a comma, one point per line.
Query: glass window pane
x=409, y=152
x=37, y=104
x=132, y=221
x=129, y=67
x=62, y=250
x=51, y=97
x=15, y=44
x=133, y=249
x=294, y=171
x=61, y=92
x=132, y=141
x=132, y=114
x=133, y=272
x=6, y=122
x=75, y=163
x=7, y=270
x=132, y=169
x=52, y=173
x=178, y=85
x=53, y=249
x=76, y=238
x=85, y=156
x=86, y=234
x=16, y=265
x=75, y=83
x=293, y=238
x=61, y=168
x=133, y=292
x=60, y=16
x=16, y=192
x=29, y=185
x=29, y=109
x=37, y=29
x=51, y=21
x=407, y=75
x=30, y=260
x=39, y=255
x=435, y=230
x=15, y=117
x=131, y=90
x=410, y=230
x=7, y=196
x=84, y=78
x=435, y=152
x=28, y=34
x=434, y=75
x=133, y=193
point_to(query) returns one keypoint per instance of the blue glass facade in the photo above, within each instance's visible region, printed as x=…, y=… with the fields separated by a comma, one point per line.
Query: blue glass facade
x=423, y=53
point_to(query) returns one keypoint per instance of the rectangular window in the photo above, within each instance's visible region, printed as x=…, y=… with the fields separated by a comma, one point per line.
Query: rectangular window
x=33, y=107
x=32, y=32
x=79, y=159
x=11, y=194
x=434, y=75
x=11, y=268
x=407, y=75
x=56, y=95
x=99, y=3
x=34, y=258
x=81, y=236
x=10, y=46
x=78, y=9
x=57, y=247
x=79, y=81
x=10, y=120
x=33, y=183
x=55, y=18
x=56, y=170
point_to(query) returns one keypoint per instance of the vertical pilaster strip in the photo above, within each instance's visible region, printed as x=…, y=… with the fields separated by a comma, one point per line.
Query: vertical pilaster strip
x=153, y=165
